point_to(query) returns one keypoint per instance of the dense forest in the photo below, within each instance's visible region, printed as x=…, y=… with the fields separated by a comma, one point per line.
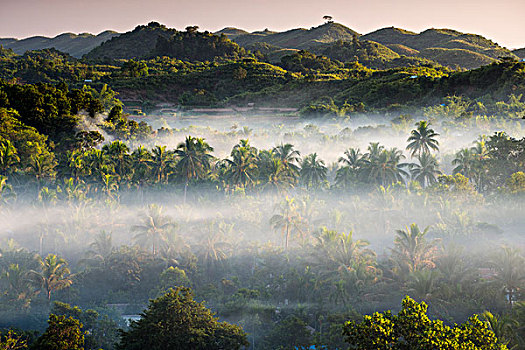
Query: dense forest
x=385, y=211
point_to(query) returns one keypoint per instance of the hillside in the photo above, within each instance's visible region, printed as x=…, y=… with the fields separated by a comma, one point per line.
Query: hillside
x=520, y=53
x=158, y=40
x=447, y=47
x=76, y=45
x=301, y=39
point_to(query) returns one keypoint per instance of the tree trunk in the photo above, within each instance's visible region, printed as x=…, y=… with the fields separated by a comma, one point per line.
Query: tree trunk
x=185, y=191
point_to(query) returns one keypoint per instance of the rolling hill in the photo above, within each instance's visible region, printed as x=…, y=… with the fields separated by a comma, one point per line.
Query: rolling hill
x=520, y=53
x=300, y=39
x=155, y=40
x=76, y=45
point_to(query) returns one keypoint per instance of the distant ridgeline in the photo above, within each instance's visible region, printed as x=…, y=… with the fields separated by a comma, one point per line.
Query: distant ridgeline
x=302, y=68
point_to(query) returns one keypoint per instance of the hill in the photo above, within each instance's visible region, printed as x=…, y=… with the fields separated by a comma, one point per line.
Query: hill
x=300, y=39
x=446, y=46
x=74, y=44
x=157, y=40
x=520, y=53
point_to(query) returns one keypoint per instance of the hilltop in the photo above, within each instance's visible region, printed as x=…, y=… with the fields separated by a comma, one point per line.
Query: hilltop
x=300, y=38
x=75, y=45
x=445, y=46
x=520, y=53
x=155, y=39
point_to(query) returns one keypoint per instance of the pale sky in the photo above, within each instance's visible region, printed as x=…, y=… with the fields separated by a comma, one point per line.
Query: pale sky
x=501, y=21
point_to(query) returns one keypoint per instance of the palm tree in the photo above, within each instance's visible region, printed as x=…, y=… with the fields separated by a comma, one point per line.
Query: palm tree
x=353, y=162
x=510, y=274
x=17, y=284
x=313, y=171
x=278, y=177
x=412, y=252
x=464, y=162
x=100, y=249
x=502, y=326
x=6, y=190
x=118, y=154
x=385, y=168
x=8, y=157
x=214, y=248
x=422, y=139
x=193, y=159
x=54, y=275
x=161, y=161
x=289, y=157
x=242, y=168
x=141, y=159
x=153, y=228
x=41, y=166
x=343, y=262
x=425, y=172
x=424, y=283
x=287, y=219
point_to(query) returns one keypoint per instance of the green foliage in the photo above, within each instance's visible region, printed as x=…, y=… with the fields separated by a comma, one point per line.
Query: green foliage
x=62, y=333
x=289, y=334
x=176, y=321
x=412, y=329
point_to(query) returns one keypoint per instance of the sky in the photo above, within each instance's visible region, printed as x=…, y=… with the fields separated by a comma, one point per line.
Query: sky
x=501, y=21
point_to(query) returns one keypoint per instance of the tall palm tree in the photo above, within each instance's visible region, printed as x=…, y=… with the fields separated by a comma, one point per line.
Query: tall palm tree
x=425, y=172
x=153, y=228
x=422, y=139
x=161, y=161
x=242, y=168
x=8, y=157
x=352, y=163
x=412, y=252
x=385, y=168
x=193, y=160
x=141, y=160
x=54, y=275
x=289, y=157
x=279, y=177
x=287, y=219
x=313, y=171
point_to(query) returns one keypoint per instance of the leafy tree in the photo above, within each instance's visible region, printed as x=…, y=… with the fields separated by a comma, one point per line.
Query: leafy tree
x=176, y=321
x=289, y=334
x=12, y=341
x=412, y=329
x=287, y=219
x=62, y=333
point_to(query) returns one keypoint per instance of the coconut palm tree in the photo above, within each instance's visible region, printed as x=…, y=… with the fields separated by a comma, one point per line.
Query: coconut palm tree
x=385, y=168
x=279, y=177
x=41, y=166
x=412, y=252
x=425, y=172
x=193, y=160
x=8, y=157
x=464, y=162
x=313, y=171
x=161, y=160
x=100, y=249
x=289, y=157
x=422, y=139
x=118, y=156
x=153, y=228
x=54, y=275
x=287, y=219
x=242, y=167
